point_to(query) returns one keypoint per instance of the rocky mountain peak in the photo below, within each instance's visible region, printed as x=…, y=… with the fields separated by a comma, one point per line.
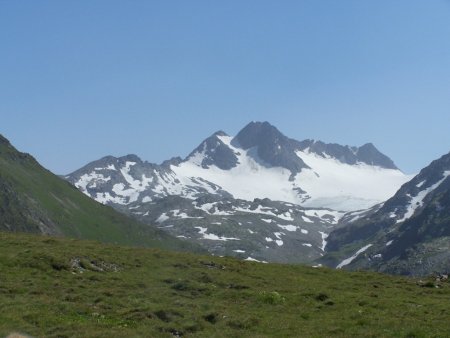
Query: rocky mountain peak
x=131, y=158
x=220, y=133
x=258, y=134
x=213, y=151
x=369, y=154
x=271, y=146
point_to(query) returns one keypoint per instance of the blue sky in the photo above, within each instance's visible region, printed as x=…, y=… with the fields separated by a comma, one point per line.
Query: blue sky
x=83, y=79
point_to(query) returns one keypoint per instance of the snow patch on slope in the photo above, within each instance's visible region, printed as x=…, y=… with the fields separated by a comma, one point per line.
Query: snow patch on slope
x=105, y=198
x=324, y=242
x=162, y=218
x=352, y=258
x=90, y=179
x=202, y=231
x=265, y=211
x=250, y=259
x=417, y=201
x=288, y=227
x=329, y=216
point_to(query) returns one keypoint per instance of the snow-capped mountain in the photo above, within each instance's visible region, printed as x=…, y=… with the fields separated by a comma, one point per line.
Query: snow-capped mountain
x=314, y=182
x=409, y=234
x=128, y=179
x=260, y=162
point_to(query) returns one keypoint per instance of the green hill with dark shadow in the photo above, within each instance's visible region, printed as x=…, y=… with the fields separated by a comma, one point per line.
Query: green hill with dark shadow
x=34, y=200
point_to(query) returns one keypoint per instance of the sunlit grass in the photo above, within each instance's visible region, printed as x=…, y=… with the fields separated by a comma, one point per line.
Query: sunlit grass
x=56, y=288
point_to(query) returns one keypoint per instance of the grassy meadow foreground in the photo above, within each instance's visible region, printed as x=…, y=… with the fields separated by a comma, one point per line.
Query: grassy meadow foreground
x=55, y=287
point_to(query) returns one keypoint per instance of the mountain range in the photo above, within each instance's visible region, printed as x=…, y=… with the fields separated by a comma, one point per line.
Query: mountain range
x=308, y=173
x=259, y=195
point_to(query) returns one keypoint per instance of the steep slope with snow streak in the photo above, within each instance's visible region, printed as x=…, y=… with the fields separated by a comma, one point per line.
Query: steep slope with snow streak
x=409, y=233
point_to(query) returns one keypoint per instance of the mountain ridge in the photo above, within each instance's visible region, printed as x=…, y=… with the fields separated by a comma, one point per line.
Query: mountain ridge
x=34, y=200
x=288, y=162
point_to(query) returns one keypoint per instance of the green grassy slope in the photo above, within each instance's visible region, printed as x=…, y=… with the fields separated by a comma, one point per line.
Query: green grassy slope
x=32, y=199
x=53, y=287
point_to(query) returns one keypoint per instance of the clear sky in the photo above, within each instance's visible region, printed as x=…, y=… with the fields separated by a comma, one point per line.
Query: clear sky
x=83, y=79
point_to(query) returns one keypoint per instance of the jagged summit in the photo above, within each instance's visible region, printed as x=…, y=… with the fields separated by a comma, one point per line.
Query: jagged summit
x=276, y=149
x=367, y=154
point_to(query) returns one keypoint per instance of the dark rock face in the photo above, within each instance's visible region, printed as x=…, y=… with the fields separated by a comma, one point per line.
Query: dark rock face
x=173, y=161
x=367, y=153
x=272, y=147
x=370, y=155
x=344, y=154
x=215, y=153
